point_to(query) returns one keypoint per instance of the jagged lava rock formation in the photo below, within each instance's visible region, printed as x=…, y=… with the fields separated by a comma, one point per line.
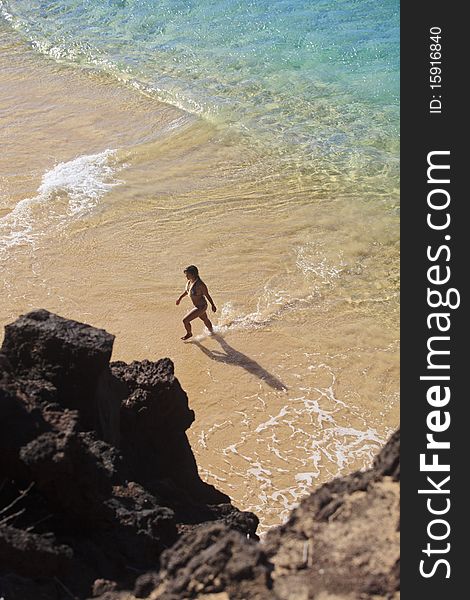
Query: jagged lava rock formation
x=97, y=476
x=100, y=494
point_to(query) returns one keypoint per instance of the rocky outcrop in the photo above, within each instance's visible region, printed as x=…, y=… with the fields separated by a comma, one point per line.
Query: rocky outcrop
x=341, y=543
x=100, y=495
x=97, y=476
x=153, y=419
x=211, y=560
x=343, y=540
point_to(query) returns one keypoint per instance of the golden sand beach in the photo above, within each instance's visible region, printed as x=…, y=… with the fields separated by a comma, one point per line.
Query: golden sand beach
x=107, y=194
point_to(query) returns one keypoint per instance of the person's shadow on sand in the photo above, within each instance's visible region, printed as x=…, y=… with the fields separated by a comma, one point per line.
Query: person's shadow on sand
x=231, y=356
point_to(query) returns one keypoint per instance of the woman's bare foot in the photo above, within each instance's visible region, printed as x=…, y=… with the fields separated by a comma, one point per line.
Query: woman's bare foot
x=187, y=336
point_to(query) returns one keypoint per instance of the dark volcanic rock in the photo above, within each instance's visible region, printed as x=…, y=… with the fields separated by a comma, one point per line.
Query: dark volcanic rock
x=154, y=418
x=211, y=559
x=344, y=538
x=100, y=492
x=69, y=355
x=341, y=543
x=75, y=509
x=14, y=587
x=31, y=554
x=56, y=349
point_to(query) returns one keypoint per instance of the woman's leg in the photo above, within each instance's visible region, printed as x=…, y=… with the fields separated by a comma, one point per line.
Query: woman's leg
x=205, y=319
x=192, y=314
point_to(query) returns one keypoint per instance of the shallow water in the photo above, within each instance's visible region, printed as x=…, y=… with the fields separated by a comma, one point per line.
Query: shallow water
x=107, y=193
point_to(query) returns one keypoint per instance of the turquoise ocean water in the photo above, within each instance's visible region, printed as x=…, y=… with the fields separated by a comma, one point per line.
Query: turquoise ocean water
x=312, y=81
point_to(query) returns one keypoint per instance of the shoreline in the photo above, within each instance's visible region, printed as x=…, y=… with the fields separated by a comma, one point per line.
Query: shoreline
x=90, y=507
x=308, y=316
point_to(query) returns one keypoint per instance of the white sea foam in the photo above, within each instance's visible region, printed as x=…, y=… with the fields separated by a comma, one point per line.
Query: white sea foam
x=82, y=181
x=272, y=420
x=85, y=180
x=280, y=456
x=312, y=261
x=318, y=271
x=306, y=478
x=230, y=318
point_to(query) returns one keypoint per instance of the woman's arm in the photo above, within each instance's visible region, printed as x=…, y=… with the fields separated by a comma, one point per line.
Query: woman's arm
x=205, y=291
x=185, y=293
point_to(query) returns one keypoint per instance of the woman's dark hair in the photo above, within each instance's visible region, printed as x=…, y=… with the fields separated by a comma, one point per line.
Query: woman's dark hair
x=192, y=270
